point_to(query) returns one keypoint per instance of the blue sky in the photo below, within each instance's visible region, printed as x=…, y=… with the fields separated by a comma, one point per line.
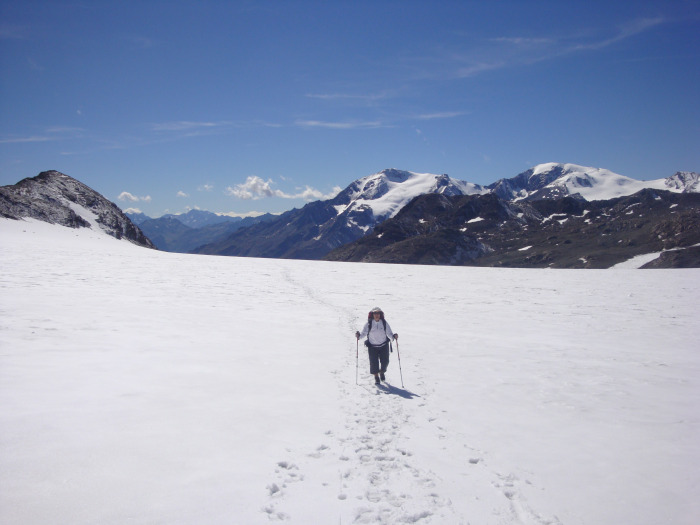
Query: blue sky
x=247, y=106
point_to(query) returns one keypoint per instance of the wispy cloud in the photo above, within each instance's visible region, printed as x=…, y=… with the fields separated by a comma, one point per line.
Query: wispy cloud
x=182, y=194
x=474, y=69
x=187, y=125
x=255, y=188
x=20, y=140
x=514, y=51
x=51, y=133
x=625, y=31
x=441, y=115
x=351, y=97
x=191, y=128
x=351, y=124
x=66, y=131
x=390, y=122
x=523, y=41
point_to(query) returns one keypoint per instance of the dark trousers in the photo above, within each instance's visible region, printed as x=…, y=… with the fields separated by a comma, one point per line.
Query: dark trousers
x=378, y=355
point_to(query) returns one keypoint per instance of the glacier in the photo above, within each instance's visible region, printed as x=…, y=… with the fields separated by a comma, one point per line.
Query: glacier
x=143, y=387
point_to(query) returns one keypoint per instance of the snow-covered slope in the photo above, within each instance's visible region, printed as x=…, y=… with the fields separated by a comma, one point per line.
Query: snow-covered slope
x=683, y=181
x=142, y=387
x=386, y=192
x=553, y=180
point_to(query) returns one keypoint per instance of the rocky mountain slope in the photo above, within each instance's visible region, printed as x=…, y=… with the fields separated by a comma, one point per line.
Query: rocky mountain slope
x=59, y=199
x=570, y=232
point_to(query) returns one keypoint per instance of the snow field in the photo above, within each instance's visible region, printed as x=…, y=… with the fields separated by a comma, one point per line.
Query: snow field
x=146, y=387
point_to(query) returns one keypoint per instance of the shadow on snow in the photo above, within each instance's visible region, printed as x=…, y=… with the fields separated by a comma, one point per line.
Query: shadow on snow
x=388, y=389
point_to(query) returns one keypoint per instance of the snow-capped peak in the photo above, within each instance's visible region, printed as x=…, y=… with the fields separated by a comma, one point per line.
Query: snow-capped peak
x=592, y=183
x=554, y=180
x=574, y=170
x=386, y=192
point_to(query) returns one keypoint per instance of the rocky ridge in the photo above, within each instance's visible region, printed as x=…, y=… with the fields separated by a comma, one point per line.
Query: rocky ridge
x=57, y=198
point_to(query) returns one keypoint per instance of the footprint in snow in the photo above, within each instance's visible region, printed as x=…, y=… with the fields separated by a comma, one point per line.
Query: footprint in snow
x=319, y=451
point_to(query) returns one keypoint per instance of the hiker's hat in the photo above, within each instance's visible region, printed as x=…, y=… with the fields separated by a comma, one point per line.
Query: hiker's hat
x=376, y=310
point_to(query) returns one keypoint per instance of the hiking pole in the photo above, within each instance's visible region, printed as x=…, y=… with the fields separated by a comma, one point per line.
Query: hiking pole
x=399, y=354
x=357, y=361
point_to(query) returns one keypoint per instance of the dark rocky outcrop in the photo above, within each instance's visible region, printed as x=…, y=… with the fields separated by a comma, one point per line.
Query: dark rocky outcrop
x=56, y=198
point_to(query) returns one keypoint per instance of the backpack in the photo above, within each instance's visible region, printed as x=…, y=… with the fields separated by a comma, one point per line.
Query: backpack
x=370, y=318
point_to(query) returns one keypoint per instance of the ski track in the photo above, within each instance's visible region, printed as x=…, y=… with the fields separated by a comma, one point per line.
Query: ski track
x=368, y=465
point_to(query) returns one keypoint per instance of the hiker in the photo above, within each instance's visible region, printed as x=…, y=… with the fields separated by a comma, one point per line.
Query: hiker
x=379, y=335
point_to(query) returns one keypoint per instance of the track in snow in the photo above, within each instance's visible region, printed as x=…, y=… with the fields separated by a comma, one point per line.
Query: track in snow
x=368, y=465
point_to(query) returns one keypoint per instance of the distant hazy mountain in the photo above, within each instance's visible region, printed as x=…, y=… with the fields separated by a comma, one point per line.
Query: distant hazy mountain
x=165, y=233
x=191, y=219
x=201, y=218
x=137, y=218
x=318, y=227
x=59, y=199
x=184, y=232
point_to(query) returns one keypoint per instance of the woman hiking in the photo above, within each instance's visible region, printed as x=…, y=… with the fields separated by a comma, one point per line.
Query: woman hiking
x=379, y=335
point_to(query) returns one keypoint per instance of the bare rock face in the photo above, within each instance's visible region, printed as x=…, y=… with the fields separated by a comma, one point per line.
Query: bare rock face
x=56, y=198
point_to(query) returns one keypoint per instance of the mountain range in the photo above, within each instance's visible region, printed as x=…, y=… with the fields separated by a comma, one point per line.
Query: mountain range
x=193, y=218
x=552, y=215
x=568, y=232
x=321, y=227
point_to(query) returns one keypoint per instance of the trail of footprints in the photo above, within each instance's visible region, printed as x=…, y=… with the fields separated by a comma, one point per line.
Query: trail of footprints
x=369, y=458
x=369, y=463
x=363, y=463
